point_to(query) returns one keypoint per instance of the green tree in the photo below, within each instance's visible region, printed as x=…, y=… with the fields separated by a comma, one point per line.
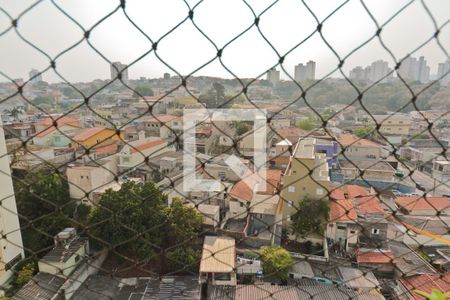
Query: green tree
x=25, y=274
x=276, y=261
x=143, y=90
x=214, y=97
x=302, y=222
x=365, y=132
x=307, y=124
x=38, y=101
x=183, y=259
x=44, y=207
x=14, y=112
x=131, y=220
x=183, y=224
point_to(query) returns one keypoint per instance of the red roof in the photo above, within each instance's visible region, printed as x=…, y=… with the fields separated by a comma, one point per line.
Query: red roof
x=427, y=282
x=342, y=210
x=242, y=191
x=374, y=257
x=143, y=146
x=350, y=200
x=50, y=130
x=348, y=191
x=88, y=133
x=369, y=205
x=61, y=121
x=423, y=203
x=346, y=139
x=104, y=150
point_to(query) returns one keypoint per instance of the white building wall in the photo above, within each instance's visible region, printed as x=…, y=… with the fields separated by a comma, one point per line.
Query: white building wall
x=11, y=241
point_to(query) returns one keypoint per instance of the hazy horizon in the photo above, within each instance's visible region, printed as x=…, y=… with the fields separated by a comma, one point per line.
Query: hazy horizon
x=285, y=24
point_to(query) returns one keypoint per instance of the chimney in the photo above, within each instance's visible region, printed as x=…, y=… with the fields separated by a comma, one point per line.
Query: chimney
x=141, y=135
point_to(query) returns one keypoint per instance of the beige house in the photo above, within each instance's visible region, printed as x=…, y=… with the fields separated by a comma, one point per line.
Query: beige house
x=135, y=153
x=441, y=171
x=69, y=250
x=354, y=147
x=394, y=124
x=218, y=263
x=297, y=183
x=85, y=179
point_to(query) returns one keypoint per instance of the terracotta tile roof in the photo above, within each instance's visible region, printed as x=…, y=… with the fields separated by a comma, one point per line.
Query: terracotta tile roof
x=89, y=132
x=51, y=129
x=146, y=145
x=423, y=203
x=61, y=121
x=46, y=131
x=368, y=205
x=349, y=139
x=350, y=190
x=109, y=149
x=245, y=192
x=374, y=257
x=426, y=282
x=291, y=133
x=355, y=200
x=342, y=210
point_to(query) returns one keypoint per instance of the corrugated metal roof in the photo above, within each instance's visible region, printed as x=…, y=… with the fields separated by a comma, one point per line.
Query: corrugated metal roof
x=42, y=286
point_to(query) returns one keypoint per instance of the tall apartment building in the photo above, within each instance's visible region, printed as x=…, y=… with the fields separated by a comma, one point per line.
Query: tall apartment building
x=444, y=72
x=11, y=247
x=117, y=67
x=305, y=72
x=297, y=182
x=273, y=76
x=414, y=70
x=35, y=76
x=357, y=74
x=377, y=70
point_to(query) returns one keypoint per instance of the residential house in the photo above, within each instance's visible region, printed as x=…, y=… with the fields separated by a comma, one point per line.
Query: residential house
x=356, y=217
x=155, y=125
x=297, y=291
x=62, y=270
x=280, y=154
x=330, y=148
x=424, y=205
x=441, y=171
x=47, y=122
x=353, y=147
x=218, y=263
x=97, y=137
x=64, y=257
x=134, y=154
x=56, y=137
x=394, y=124
x=426, y=283
x=306, y=176
x=85, y=179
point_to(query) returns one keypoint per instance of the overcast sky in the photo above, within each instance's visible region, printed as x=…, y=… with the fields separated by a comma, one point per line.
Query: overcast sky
x=285, y=24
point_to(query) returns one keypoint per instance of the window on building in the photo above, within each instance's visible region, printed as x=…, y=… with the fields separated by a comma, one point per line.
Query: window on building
x=290, y=203
x=241, y=204
x=291, y=189
x=352, y=231
x=341, y=227
x=288, y=218
x=319, y=191
x=375, y=231
x=82, y=177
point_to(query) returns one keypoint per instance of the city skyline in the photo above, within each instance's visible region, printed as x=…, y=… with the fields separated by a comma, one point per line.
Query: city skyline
x=247, y=57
